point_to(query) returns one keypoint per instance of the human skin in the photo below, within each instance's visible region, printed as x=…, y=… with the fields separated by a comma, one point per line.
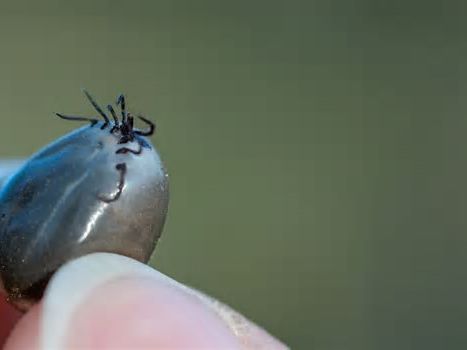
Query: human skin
x=107, y=301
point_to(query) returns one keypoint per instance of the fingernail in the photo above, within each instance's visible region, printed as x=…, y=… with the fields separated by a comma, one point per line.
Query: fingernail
x=85, y=284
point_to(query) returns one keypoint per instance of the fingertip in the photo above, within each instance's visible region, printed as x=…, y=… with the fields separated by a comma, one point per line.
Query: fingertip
x=143, y=313
x=25, y=335
x=110, y=301
x=9, y=316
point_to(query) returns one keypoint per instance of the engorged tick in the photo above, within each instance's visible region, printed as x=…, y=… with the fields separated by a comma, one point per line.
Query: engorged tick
x=101, y=188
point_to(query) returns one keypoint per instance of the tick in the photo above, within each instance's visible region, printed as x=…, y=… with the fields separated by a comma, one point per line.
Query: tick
x=100, y=188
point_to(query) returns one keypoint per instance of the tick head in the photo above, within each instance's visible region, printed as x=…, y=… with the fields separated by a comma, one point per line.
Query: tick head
x=124, y=129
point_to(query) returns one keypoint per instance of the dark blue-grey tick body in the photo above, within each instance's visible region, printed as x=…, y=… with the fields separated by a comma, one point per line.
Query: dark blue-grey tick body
x=101, y=188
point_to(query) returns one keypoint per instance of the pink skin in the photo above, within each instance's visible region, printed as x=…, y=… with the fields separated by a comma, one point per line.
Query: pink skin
x=135, y=313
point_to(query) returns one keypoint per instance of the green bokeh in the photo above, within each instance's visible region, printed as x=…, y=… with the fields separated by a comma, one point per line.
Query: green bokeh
x=316, y=149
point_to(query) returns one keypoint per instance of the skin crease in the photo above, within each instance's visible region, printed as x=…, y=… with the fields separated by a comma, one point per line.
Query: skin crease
x=133, y=312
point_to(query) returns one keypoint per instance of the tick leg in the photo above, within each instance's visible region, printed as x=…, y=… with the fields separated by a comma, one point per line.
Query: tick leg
x=148, y=132
x=121, y=167
x=98, y=109
x=121, y=102
x=125, y=150
x=112, y=112
x=69, y=117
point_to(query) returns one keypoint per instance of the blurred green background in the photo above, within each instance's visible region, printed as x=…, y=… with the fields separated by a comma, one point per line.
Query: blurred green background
x=317, y=149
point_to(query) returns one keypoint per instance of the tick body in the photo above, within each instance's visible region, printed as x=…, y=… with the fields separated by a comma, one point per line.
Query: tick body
x=101, y=188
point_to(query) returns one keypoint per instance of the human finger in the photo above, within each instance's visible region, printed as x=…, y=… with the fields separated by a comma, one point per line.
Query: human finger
x=108, y=301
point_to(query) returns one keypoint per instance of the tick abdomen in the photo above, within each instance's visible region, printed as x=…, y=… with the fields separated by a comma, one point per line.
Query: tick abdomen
x=54, y=209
